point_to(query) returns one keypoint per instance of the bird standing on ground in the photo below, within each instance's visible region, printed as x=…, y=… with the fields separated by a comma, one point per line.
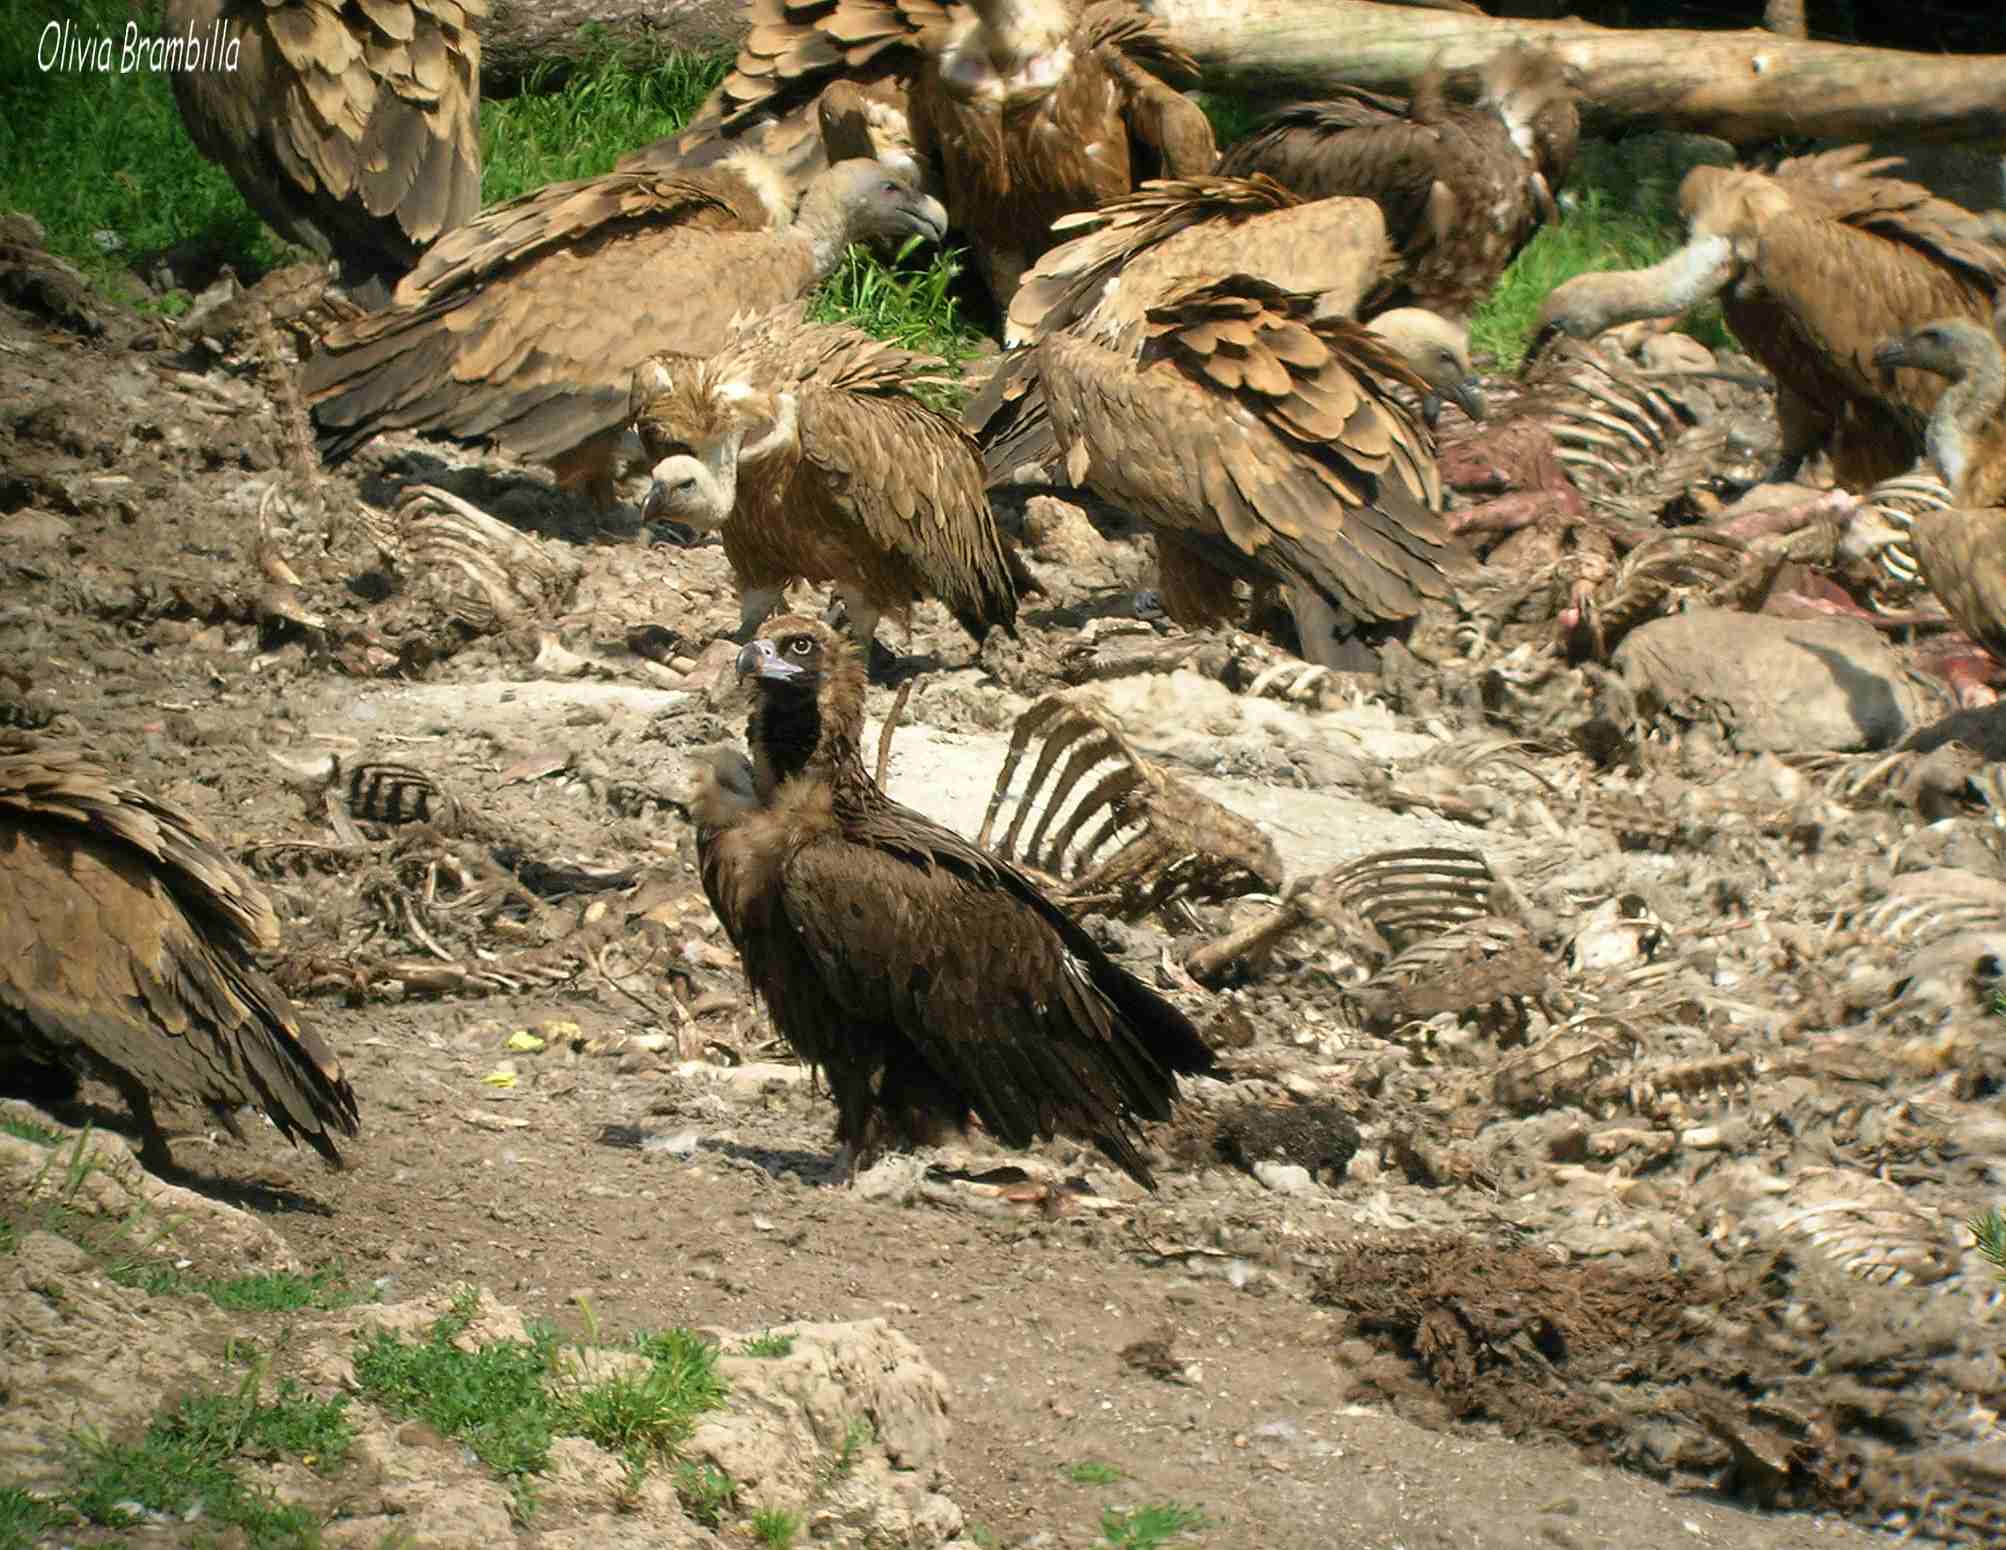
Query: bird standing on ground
x=1815, y=264
x=928, y=980
x=524, y=328
x=853, y=479
x=126, y=938
x=352, y=126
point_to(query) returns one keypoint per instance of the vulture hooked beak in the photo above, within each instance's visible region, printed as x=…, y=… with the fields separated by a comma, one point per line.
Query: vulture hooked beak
x=762, y=659
x=1889, y=354
x=925, y=216
x=1469, y=397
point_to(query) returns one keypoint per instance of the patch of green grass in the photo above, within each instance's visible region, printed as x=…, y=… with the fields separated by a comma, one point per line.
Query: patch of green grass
x=51, y=1204
x=1092, y=1472
x=89, y=151
x=706, y=1492
x=858, y=1435
x=185, y=1463
x=28, y=1130
x=494, y=1398
x=25, y=1519
x=908, y=301
x=776, y=1528
x=616, y=101
x=983, y=1535
x=1620, y=211
x=507, y=1400
x=767, y=1345
x=1232, y=116
x=278, y=1291
x=1144, y=1528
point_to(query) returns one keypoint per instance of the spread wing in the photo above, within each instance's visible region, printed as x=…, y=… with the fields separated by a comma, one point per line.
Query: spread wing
x=1264, y=437
x=527, y=330
x=351, y=125
x=125, y=947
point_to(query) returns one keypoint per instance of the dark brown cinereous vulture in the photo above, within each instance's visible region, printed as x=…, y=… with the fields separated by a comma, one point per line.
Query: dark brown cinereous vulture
x=849, y=478
x=352, y=126
x=523, y=328
x=1961, y=551
x=126, y=938
x=1815, y=265
x=1033, y=109
x=1463, y=187
x=928, y=980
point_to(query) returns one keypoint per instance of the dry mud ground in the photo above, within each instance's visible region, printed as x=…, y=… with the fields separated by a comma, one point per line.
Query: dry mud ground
x=1597, y=1315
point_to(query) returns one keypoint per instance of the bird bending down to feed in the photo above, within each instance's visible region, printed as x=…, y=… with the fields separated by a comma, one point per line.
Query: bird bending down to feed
x=522, y=329
x=930, y=981
x=1961, y=550
x=126, y=941
x=1815, y=264
x=352, y=126
x=853, y=479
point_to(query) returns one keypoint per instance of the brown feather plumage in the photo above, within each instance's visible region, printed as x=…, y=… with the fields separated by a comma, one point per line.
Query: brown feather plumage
x=507, y=333
x=1032, y=112
x=354, y=129
x=1265, y=445
x=126, y=941
x=877, y=491
x=1463, y=187
x=930, y=981
x=1816, y=264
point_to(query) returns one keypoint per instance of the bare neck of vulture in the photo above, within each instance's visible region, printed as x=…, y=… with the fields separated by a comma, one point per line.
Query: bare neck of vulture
x=1584, y=306
x=1968, y=406
x=823, y=219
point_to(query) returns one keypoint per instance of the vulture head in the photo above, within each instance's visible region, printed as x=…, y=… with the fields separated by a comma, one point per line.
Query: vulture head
x=871, y=201
x=1972, y=357
x=1950, y=347
x=693, y=423
x=1439, y=352
x=1725, y=210
x=857, y=125
x=809, y=683
x=1009, y=54
x=1527, y=89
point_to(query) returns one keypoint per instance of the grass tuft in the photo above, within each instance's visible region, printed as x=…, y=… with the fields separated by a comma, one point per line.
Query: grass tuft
x=1990, y=1231
x=24, y=1519
x=1093, y=1472
x=776, y=1528
x=1144, y=1528
x=908, y=301
x=768, y=1345
x=28, y=1130
x=184, y=1465
x=279, y=1291
x=706, y=1492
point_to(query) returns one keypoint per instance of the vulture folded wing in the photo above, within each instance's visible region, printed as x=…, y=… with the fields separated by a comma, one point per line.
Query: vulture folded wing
x=540, y=358
x=125, y=949
x=1391, y=161
x=1169, y=134
x=352, y=128
x=1004, y=996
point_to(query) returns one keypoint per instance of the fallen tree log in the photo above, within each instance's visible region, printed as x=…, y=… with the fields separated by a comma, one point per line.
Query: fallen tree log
x=521, y=36
x=1740, y=85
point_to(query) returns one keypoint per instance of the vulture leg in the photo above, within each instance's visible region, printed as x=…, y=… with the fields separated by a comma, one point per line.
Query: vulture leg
x=153, y=1153
x=1323, y=637
x=754, y=609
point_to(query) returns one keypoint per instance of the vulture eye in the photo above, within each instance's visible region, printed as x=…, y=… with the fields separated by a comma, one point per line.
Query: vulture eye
x=890, y=187
x=802, y=645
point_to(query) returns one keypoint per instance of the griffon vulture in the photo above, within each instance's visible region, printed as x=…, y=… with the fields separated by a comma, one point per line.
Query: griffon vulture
x=849, y=478
x=523, y=329
x=352, y=126
x=1463, y=188
x=930, y=981
x=1815, y=264
x=1124, y=257
x=1264, y=444
x=1033, y=109
x=1962, y=551
x=126, y=938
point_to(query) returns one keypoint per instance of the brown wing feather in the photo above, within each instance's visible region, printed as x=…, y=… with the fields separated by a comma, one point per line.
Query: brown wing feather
x=1267, y=440
x=1962, y=555
x=352, y=128
x=125, y=951
x=528, y=352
